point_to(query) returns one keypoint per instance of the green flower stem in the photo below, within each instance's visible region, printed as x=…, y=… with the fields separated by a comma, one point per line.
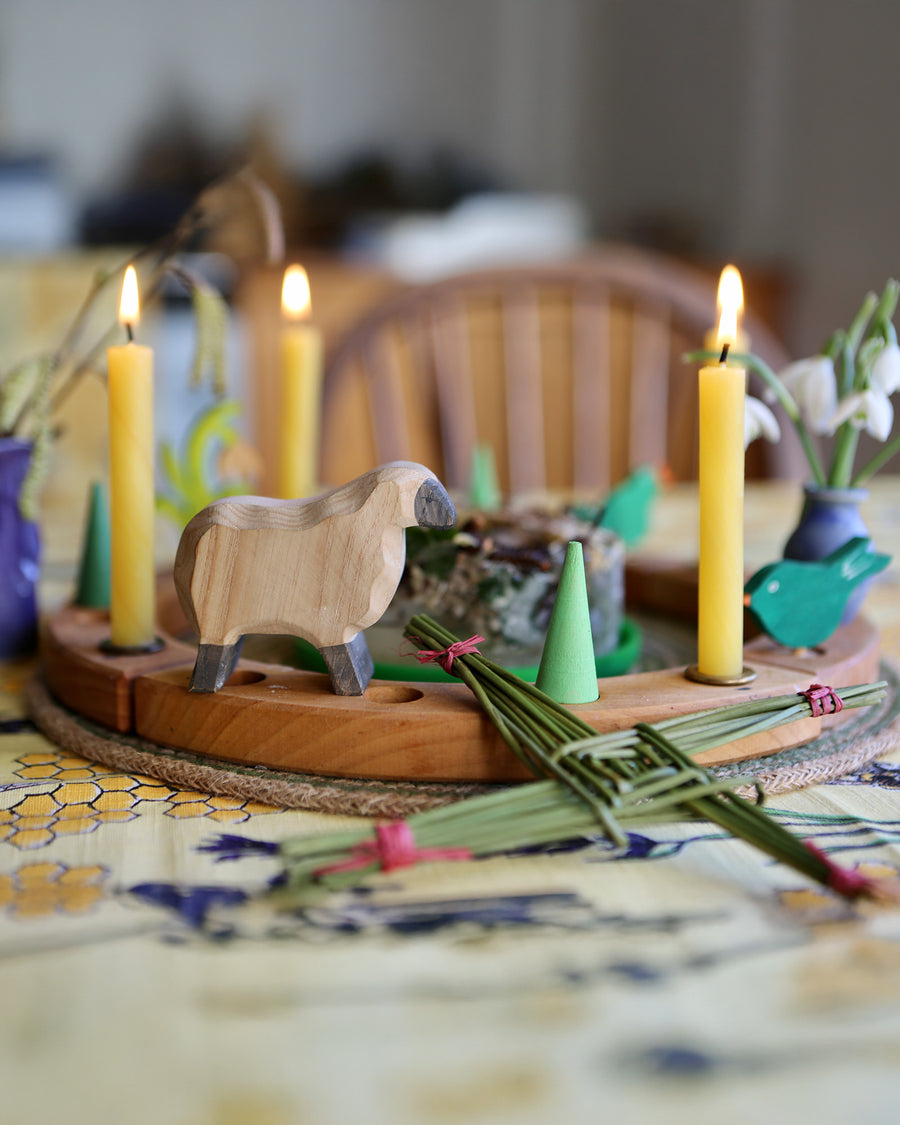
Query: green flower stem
x=888, y=303
x=754, y=363
x=857, y=327
x=869, y=351
x=881, y=458
x=844, y=455
x=784, y=397
x=879, y=312
x=847, y=367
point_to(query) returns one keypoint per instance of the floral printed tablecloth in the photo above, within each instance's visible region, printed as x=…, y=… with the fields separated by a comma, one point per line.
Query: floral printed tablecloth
x=691, y=980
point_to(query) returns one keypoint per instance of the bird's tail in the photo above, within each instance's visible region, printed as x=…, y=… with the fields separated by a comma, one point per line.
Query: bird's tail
x=857, y=561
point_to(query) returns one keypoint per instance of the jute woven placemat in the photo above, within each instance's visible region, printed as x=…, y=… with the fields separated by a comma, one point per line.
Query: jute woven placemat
x=870, y=735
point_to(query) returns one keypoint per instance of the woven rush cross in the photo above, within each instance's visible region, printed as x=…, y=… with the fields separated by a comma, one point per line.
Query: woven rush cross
x=616, y=782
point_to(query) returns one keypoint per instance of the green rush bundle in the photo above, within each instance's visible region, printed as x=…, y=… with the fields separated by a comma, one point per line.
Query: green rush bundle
x=587, y=782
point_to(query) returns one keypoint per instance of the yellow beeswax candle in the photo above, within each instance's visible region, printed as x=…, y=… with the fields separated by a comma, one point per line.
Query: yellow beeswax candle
x=720, y=622
x=300, y=391
x=132, y=570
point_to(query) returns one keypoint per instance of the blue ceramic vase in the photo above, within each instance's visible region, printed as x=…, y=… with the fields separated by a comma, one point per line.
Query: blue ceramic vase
x=19, y=555
x=829, y=518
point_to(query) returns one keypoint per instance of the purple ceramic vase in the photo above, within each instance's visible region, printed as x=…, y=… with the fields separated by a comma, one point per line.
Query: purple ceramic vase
x=19, y=555
x=829, y=519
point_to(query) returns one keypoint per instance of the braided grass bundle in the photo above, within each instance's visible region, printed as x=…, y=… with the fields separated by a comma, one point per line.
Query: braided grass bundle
x=586, y=782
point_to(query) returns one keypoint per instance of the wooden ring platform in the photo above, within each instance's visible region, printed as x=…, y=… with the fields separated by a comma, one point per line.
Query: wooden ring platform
x=871, y=733
x=288, y=720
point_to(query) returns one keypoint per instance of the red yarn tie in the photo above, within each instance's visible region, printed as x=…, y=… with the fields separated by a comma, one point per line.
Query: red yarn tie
x=394, y=847
x=823, y=700
x=446, y=656
x=843, y=880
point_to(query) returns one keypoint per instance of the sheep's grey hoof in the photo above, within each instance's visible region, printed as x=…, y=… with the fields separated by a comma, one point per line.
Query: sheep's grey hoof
x=349, y=666
x=213, y=666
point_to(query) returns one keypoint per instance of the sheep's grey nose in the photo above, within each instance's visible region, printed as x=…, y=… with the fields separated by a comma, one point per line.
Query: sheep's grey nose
x=433, y=507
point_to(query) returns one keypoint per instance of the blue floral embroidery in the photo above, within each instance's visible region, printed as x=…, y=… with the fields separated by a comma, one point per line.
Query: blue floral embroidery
x=190, y=903
x=228, y=846
x=16, y=726
x=678, y=1061
x=565, y=909
x=883, y=775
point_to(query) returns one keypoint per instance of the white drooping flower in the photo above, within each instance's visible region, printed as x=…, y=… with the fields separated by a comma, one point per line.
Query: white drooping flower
x=812, y=385
x=869, y=410
x=886, y=369
x=759, y=421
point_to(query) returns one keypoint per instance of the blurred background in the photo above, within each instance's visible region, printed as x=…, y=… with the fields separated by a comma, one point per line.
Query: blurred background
x=415, y=138
x=758, y=130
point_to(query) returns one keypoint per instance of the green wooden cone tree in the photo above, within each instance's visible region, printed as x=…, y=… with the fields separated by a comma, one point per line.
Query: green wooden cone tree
x=93, y=572
x=567, y=672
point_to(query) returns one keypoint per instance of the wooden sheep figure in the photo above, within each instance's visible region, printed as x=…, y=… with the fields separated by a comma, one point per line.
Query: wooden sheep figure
x=323, y=568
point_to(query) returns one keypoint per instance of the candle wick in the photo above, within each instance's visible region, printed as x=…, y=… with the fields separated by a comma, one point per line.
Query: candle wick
x=724, y=356
x=129, y=332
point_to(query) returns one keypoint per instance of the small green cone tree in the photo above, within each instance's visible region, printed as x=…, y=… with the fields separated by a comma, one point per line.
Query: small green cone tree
x=568, y=672
x=93, y=572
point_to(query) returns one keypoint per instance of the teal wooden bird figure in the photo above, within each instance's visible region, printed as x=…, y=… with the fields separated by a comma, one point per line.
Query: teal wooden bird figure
x=627, y=508
x=800, y=604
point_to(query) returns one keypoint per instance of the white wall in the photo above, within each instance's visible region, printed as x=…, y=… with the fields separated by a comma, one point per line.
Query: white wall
x=768, y=124
x=772, y=124
x=84, y=77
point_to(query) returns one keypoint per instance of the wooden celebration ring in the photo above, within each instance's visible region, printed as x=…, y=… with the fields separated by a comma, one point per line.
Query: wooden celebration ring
x=288, y=719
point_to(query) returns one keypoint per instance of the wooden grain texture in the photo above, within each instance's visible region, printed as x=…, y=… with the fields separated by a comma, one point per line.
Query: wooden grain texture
x=649, y=406
x=388, y=402
x=94, y=683
x=321, y=568
x=591, y=415
x=524, y=388
x=661, y=586
x=340, y=295
x=448, y=327
x=287, y=719
x=570, y=365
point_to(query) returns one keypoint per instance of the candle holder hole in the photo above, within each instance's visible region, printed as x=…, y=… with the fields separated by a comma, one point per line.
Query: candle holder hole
x=242, y=677
x=392, y=693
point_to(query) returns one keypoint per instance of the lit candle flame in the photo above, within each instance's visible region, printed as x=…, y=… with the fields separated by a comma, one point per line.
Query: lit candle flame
x=730, y=300
x=129, y=303
x=295, y=298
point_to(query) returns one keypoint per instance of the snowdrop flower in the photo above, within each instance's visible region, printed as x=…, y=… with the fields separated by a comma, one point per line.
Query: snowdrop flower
x=886, y=369
x=870, y=410
x=813, y=386
x=845, y=389
x=759, y=421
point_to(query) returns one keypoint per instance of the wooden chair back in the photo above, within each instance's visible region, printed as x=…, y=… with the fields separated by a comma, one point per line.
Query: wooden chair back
x=571, y=372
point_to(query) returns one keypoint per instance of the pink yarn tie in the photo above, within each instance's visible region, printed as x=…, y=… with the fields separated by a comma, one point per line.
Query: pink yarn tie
x=823, y=700
x=394, y=847
x=446, y=656
x=843, y=880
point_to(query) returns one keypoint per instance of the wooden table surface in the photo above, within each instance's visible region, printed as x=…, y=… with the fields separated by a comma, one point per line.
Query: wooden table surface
x=691, y=981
